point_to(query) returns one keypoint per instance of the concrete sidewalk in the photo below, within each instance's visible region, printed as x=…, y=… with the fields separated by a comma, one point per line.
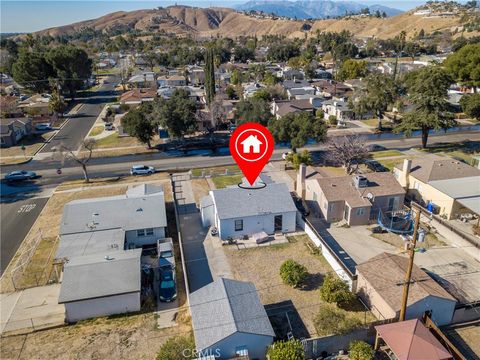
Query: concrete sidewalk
x=31, y=309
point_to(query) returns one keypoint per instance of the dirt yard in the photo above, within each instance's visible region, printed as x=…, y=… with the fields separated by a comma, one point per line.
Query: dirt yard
x=431, y=240
x=122, y=337
x=261, y=266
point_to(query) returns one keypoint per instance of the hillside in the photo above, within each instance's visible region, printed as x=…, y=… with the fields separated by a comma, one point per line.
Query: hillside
x=206, y=22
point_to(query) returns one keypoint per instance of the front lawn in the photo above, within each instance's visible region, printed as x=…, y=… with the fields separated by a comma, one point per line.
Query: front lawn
x=463, y=151
x=215, y=170
x=385, y=153
x=97, y=130
x=226, y=180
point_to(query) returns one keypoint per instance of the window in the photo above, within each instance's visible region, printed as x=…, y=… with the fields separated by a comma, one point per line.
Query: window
x=141, y=232
x=360, y=211
x=149, y=232
x=331, y=207
x=238, y=225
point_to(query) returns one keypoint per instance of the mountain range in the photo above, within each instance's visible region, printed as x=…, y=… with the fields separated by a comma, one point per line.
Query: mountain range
x=312, y=9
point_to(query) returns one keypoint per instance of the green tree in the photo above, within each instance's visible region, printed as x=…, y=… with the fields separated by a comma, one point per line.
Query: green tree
x=137, y=124
x=296, y=128
x=253, y=110
x=333, y=321
x=176, y=114
x=270, y=79
x=56, y=103
x=230, y=91
x=464, y=65
x=293, y=273
x=352, y=69
x=32, y=70
x=296, y=159
x=428, y=92
x=262, y=94
x=72, y=66
x=360, y=350
x=471, y=105
x=335, y=290
x=379, y=92
x=177, y=348
x=332, y=120
x=209, y=76
x=286, y=350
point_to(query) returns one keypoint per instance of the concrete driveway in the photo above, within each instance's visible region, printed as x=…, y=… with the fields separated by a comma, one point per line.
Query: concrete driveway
x=31, y=309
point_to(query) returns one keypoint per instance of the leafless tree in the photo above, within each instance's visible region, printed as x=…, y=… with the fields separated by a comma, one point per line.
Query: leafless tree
x=81, y=157
x=348, y=152
x=217, y=111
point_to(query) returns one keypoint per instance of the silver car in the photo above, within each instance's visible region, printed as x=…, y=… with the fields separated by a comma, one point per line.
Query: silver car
x=142, y=170
x=20, y=175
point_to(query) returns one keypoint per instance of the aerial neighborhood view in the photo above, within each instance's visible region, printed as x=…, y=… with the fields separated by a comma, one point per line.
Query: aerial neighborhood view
x=240, y=180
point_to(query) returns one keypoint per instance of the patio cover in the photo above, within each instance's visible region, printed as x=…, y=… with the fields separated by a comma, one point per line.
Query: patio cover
x=411, y=340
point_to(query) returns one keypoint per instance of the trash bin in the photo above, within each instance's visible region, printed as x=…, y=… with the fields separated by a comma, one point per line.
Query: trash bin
x=421, y=235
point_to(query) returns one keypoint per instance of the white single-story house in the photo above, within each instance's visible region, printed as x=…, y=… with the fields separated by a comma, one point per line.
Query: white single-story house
x=140, y=213
x=237, y=212
x=229, y=321
x=101, y=284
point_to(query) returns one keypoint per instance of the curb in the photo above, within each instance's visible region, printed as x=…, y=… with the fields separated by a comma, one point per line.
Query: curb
x=19, y=163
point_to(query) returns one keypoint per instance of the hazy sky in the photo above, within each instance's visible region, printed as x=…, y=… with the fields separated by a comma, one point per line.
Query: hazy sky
x=28, y=16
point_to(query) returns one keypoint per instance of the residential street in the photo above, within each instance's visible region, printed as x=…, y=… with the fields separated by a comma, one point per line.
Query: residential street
x=17, y=219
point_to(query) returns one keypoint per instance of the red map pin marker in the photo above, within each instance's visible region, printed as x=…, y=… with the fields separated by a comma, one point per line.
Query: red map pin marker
x=251, y=146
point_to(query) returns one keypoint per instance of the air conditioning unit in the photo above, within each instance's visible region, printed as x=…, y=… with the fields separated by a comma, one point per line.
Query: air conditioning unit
x=360, y=181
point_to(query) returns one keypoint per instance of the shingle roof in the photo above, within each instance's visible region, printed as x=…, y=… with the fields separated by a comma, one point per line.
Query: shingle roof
x=92, y=242
x=427, y=170
x=128, y=212
x=93, y=276
x=389, y=282
x=224, y=307
x=342, y=188
x=237, y=202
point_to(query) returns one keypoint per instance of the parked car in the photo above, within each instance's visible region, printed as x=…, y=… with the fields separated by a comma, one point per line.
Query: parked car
x=375, y=147
x=168, y=288
x=165, y=254
x=43, y=127
x=109, y=126
x=376, y=166
x=20, y=175
x=142, y=170
x=285, y=154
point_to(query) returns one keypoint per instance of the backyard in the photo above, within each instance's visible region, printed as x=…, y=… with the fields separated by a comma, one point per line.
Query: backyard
x=261, y=266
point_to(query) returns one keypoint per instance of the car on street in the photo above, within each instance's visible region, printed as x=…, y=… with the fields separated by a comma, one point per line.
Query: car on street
x=168, y=288
x=376, y=166
x=43, y=127
x=109, y=126
x=20, y=175
x=376, y=147
x=142, y=170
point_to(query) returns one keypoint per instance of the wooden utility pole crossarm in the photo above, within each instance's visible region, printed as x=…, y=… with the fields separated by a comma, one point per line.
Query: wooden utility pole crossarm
x=408, y=277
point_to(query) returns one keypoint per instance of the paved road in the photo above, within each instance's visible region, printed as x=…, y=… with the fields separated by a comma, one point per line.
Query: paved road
x=17, y=219
x=76, y=128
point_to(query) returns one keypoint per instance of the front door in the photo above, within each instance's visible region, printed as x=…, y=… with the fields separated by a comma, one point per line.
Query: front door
x=278, y=222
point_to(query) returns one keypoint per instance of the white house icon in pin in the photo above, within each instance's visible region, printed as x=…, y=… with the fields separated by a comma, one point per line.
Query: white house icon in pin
x=253, y=143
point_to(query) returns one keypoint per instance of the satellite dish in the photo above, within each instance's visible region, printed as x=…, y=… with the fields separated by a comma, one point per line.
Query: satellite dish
x=370, y=196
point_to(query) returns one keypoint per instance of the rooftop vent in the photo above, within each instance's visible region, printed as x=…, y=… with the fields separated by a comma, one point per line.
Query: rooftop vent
x=139, y=209
x=360, y=181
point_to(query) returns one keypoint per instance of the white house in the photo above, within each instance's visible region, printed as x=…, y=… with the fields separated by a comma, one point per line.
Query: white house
x=237, y=212
x=251, y=143
x=229, y=321
x=337, y=108
x=101, y=284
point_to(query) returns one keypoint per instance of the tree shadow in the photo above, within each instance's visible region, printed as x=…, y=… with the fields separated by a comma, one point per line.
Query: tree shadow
x=312, y=282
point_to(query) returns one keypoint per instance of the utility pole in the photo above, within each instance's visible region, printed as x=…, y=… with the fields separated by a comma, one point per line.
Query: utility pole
x=406, y=284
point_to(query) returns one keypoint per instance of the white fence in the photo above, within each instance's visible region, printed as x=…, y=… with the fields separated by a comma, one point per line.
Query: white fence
x=340, y=269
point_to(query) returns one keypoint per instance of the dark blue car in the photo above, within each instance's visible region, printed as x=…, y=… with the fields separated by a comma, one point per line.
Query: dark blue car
x=167, y=287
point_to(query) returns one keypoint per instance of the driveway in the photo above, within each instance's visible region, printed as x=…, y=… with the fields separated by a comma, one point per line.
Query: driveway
x=204, y=261
x=31, y=309
x=16, y=221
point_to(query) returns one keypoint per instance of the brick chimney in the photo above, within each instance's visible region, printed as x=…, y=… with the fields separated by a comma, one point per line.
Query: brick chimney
x=302, y=173
x=405, y=175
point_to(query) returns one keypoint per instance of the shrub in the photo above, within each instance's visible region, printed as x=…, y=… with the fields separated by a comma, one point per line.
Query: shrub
x=360, y=350
x=286, y=350
x=332, y=120
x=333, y=321
x=293, y=273
x=335, y=290
x=173, y=349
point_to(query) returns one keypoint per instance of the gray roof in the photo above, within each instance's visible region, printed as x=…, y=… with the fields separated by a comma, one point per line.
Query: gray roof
x=94, y=276
x=138, y=209
x=427, y=170
x=465, y=190
x=225, y=307
x=91, y=242
x=237, y=202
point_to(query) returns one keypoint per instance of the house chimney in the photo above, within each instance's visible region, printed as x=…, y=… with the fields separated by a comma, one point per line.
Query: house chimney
x=302, y=174
x=404, y=178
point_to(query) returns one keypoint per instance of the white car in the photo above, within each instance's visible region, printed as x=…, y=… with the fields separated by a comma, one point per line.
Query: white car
x=142, y=170
x=284, y=155
x=43, y=127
